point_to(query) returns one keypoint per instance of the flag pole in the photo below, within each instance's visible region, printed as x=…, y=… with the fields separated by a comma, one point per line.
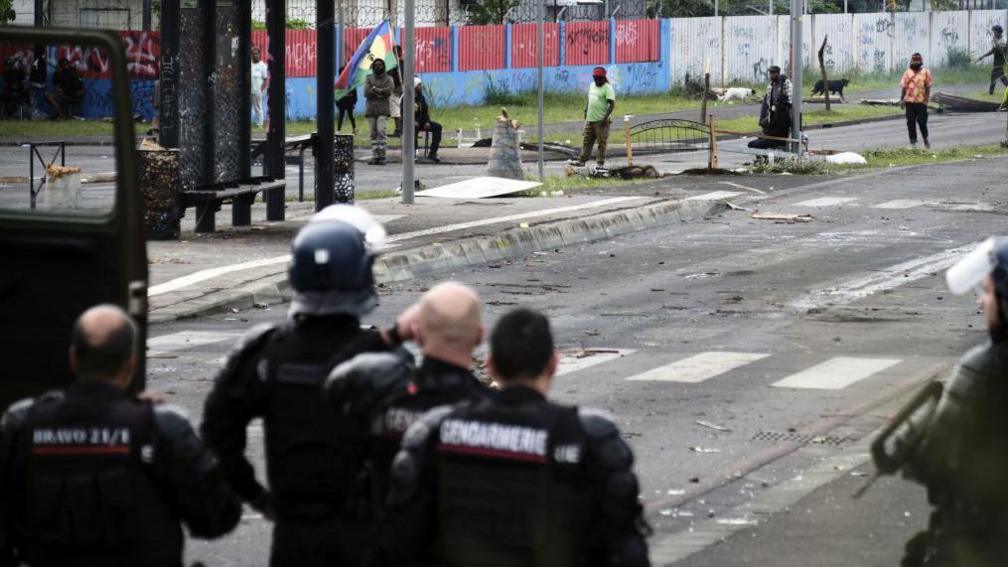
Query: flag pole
x=408, y=118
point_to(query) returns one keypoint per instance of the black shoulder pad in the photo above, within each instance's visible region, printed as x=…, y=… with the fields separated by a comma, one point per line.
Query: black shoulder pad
x=16, y=415
x=171, y=420
x=973, y=373
x=360, y=384
x=604, y=440
x=250, y=342
x=175, y=431
x=409, y=464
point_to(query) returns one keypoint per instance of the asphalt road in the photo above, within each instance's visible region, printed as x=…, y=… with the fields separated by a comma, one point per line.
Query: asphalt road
x=746, y=361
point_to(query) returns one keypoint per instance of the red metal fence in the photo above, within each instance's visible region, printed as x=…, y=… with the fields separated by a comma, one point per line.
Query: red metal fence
x=586, y=43
x=524, y=39
x=481, y=48
x=637, y=40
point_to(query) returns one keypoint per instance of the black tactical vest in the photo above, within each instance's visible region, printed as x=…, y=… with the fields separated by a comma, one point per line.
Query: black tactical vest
x=313, y=455
x=513, y=489
x=89, y=497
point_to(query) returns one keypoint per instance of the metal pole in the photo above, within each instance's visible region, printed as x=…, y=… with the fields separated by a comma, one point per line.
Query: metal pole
x=146, y=15
x=408, y=118
x=276, y=30
x=540, y=47
x=341, y=19
x=770, y=6
x=325, y=74
x=168, y=116
x=715, y=8
x=40, y=13
x=796, y=70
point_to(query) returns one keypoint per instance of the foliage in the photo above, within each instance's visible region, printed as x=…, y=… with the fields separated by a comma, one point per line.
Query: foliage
x=483, y=12
x=7, y=13
x=292, y=24
x=498, y=95
x=959, y=58
x=792, y=166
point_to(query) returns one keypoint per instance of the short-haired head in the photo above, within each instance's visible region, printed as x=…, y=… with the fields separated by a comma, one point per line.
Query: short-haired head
x=103, y=345
x=521, y=345
x=449, y=319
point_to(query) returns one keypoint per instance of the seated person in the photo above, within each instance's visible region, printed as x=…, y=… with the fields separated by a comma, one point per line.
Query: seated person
x=424, y=123
x=14, y=92
x=69, y=88
x=775, y=112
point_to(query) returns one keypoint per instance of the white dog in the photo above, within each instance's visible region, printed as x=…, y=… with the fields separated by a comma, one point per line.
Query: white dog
x=736, y=93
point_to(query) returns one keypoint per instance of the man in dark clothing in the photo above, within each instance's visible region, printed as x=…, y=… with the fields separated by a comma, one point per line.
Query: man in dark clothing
x=15, y=92
x=963, y=452
x=997, y=50
x=386, y=393
x=775, y=111
x=515, y=479
x=69, y=88
x=38, y=76
x=424, y=122
x=345, y=107
x=314, y=455
x=94, y=476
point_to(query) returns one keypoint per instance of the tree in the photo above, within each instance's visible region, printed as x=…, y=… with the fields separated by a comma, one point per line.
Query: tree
x=7, y=13
x=482, y=12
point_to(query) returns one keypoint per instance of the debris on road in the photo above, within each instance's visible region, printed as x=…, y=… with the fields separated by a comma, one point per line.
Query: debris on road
x=585, y=353
x=699, y=449
x=713, y=426
x=783, y=217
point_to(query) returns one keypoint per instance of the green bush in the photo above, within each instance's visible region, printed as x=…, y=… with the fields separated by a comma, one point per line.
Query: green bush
x=499, y=95
x=959, y=59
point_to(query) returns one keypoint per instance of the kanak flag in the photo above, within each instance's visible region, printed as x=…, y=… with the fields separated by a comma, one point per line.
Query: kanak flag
x=377, y=45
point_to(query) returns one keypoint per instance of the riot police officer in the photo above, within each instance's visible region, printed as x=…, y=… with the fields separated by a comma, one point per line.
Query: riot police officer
x=95, y=476
x=313, y=454
x=515, y=479
x=962, y=458
x=387, y=393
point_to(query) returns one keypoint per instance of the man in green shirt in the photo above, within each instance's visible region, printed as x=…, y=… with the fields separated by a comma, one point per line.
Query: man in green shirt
x=601, y=101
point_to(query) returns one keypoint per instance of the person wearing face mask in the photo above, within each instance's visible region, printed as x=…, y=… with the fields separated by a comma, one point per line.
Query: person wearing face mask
x=962, y=454
x=914, y=97
x=378, y=90
x=601, y=102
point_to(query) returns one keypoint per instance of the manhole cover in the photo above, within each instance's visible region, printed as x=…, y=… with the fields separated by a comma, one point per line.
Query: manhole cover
x=794, y=437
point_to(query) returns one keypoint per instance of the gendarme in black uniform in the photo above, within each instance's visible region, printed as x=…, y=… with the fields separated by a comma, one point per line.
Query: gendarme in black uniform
x=97, y=477
x=387, y=394
x=515, y=480
x=313, y=455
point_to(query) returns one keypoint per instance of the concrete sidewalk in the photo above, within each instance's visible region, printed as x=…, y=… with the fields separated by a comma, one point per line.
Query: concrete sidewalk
x=244, y=267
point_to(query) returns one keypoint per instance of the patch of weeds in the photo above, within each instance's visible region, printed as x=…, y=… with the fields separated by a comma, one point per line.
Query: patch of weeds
x=792, y=166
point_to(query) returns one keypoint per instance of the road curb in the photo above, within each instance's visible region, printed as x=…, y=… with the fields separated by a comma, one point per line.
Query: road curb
x=403, y=265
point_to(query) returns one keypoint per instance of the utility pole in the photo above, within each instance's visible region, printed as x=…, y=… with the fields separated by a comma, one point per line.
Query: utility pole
x=796, y=71
x=341, y=38
x=408, y=128
x=539, y=98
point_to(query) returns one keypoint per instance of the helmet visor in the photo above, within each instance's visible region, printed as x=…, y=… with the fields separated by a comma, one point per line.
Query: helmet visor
x=969, y=272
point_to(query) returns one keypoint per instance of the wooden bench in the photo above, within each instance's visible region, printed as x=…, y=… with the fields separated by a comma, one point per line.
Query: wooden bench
x=208, y=199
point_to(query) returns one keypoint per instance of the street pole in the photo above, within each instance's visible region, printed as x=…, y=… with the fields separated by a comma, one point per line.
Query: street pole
x=539, y=99
x=796, y=71
x=341, y=20
x=408, y=129
x=715, y=8
x=325, y=72
x=770, y=6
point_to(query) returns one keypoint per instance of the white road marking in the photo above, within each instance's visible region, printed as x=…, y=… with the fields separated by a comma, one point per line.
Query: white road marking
x=210, y=273
x=737, y=186
x=188, y=339
x=699, y=367
x=714, y=196
x=825, y=202
x=573, y=361
x=887, y=278
x=836, y=373
x=902, y=204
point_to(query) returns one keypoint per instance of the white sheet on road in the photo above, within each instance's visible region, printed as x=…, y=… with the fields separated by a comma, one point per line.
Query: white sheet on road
x=479, y=188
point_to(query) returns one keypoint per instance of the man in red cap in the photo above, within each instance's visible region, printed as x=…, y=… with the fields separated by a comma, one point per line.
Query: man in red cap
x=601, y=101
x=916, y=92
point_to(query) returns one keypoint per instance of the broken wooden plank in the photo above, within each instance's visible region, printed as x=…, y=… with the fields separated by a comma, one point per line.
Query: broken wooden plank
x=785, y=217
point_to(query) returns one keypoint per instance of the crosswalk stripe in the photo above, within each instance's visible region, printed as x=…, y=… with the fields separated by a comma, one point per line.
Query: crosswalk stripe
x=901, y=204
x=836, y=373
x=573, y=361
x=825, y=202
x=714, y=196
x=188, y=339
x=699, y=367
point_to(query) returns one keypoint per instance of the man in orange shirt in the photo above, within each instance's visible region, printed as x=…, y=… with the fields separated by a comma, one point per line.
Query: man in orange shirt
x=916, y=85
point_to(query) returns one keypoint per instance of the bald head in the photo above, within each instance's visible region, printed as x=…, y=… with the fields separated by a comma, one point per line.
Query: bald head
x=102, y=345
x=449, y=318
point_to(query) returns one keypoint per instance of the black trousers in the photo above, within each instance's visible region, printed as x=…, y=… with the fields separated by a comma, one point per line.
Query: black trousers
x=997, y=74
x=326, y=543
x=764, y=144
x=916, y=115
x=435, y=130
x=340, y=112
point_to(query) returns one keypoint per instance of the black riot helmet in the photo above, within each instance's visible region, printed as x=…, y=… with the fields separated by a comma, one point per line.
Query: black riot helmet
x=330, y=270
